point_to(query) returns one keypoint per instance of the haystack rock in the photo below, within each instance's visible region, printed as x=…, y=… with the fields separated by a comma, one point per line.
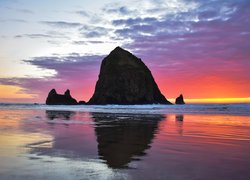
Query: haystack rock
x=60, y=99
x=179, y=100
x=125, y=79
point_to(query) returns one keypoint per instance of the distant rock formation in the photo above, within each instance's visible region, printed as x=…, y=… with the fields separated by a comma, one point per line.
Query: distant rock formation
x=125, y=79
x=179, y=100
x=81, y=102
x=60, y=99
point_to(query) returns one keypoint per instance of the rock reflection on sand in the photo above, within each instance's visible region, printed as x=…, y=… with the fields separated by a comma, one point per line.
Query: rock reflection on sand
x=123, y=138
x=179, y=118
x=65, y=115
x=120, y=138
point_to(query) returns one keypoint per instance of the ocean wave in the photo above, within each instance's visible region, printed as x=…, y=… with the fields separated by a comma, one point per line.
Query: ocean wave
x=237, y=109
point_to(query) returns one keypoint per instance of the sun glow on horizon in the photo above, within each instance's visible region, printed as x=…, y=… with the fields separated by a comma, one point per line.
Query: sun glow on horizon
x=219, y=100
x=13, y=92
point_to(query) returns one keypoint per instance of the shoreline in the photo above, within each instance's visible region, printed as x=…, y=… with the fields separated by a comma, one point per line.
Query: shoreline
x=224, y=109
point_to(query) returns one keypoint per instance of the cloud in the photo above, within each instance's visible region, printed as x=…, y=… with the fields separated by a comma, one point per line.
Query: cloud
x=122, y=10
x=20, y=10
x=33, y=36
x=83, y=13
x=13, y=20
x=195, y=29
x=61, y=24
x=134, y=21
x=47, y=35
x=89, y=31
x=149, y=8
x=26, y=11
x=88, y=42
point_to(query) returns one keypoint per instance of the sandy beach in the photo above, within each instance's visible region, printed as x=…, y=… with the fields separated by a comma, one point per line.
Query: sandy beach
x=38, y=143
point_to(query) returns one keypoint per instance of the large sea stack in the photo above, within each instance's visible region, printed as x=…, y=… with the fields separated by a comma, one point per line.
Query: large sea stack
x=125, y=79
x=60, y=99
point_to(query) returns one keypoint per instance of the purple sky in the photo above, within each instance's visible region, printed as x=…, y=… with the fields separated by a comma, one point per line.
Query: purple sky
x=198, y=48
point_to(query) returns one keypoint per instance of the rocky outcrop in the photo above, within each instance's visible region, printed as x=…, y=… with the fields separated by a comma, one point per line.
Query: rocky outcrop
x=179, y=100
x=125, y=79
x=60, y=99
x=81, y=102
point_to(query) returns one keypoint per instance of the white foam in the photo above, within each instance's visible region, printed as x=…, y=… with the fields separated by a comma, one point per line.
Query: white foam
x=237, y=109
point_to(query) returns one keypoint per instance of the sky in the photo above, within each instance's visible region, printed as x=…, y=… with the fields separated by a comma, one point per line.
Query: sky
x=195, y=47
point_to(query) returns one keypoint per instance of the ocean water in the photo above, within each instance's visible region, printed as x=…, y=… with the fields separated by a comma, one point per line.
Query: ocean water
x=206, y=141
x=230, y=109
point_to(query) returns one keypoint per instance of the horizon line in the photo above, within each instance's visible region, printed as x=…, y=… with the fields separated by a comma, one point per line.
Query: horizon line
x=187, y=100
x=215, y=100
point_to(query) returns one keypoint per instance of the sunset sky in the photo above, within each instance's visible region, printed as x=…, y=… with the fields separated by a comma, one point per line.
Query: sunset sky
x=195, y=47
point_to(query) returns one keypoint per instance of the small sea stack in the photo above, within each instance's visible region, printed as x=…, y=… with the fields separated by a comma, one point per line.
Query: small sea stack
x=179, y=100
x=81, y=103
x=60, y=99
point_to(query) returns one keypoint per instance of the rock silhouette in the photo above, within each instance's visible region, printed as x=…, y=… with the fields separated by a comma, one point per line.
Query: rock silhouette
x=81, y=102
x=121, y=141
x=179, y=100
x=61, y=115
x=125, y=79
x=60, y=99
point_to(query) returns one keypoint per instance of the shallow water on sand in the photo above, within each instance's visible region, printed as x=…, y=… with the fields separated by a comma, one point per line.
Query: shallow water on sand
x=60, y=144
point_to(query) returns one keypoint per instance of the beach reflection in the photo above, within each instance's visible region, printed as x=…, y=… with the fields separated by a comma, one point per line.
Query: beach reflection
x=119, y=138
x=179, y=118
x=124, y=138
x=73, y=136
x=64, y=115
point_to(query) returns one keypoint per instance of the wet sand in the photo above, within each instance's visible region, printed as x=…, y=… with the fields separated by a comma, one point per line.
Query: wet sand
x=45, y=144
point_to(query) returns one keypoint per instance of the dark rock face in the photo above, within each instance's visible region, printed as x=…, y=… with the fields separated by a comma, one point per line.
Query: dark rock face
x=179, y=100
x=59, y=99
x=125, y=79
x=81, y=102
